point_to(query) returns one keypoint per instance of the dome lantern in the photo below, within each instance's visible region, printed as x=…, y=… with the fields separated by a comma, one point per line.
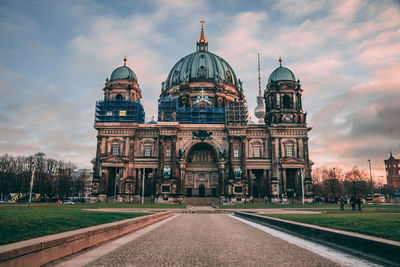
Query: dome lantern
x=202, y=44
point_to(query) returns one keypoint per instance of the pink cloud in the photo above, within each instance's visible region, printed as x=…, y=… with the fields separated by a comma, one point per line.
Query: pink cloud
x=346, y=9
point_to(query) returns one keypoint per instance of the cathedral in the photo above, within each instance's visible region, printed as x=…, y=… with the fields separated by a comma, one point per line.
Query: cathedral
x=202, y=144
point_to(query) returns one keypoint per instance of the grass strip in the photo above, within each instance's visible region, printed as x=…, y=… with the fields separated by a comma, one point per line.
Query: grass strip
x=379, y=225
x=19, y=223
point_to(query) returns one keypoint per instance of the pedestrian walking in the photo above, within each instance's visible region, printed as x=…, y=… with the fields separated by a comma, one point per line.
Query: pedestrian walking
x=353, y=203
x=359, y=203
x=341, y=201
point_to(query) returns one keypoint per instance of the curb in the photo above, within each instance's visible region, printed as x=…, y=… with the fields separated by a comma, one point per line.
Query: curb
x=373, y=248
x=41, y=250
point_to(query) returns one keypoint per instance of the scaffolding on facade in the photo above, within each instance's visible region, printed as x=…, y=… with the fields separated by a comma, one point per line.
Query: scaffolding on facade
x=234, y=114
x=113, y=110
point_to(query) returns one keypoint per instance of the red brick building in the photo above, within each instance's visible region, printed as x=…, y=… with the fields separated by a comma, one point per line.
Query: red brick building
x=392, y=166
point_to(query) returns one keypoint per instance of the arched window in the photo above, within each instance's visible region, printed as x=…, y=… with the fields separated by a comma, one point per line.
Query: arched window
x=119, y=97
x=287, y=102
x=273, y=101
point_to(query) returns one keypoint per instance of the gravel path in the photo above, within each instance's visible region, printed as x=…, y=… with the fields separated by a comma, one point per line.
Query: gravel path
x=209, y=240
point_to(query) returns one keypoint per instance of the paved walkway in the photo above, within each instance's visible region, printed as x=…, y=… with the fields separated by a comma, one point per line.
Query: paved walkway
x=210, y=209
x=207, y=240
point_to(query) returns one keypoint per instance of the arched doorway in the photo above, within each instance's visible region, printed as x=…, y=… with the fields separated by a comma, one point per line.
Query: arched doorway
x=201, y=171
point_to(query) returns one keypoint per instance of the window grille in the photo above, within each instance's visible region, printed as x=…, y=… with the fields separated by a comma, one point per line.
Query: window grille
x=236, y=153
x=115, y=149
x=257, y=152
x=289, y=151
x=147, y=151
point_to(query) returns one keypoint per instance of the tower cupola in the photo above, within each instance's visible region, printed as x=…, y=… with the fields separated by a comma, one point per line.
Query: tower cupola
x=283, y=98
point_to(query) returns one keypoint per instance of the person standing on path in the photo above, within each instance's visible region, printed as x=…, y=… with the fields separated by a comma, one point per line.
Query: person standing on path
x=341, y=201
x=353, y=203
x=359, y=203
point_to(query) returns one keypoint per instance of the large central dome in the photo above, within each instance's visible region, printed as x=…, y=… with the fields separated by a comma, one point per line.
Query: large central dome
x=201, y=66
x=202, y=88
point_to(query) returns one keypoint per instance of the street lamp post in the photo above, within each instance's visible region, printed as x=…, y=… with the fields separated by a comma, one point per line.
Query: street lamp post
x=31, y=188
x=370, y=177
x=143, y=175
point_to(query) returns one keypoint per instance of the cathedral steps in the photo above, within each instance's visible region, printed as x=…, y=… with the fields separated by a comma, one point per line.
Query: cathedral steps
x=201, y=201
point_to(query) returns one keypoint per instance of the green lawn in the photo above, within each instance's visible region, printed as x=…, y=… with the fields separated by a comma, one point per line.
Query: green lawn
x=369, y=223
x=127, y=205
x=321, y=207
x=23, y=222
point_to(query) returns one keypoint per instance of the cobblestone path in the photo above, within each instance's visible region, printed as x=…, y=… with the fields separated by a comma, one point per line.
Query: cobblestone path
x=209, y=240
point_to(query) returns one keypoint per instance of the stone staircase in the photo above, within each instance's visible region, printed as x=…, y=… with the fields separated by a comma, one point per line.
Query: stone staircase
x=201, y=201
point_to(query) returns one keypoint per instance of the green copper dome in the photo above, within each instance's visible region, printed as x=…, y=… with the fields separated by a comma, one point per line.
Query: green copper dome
x=281, y=74
x=201, y=66
x=123, y=73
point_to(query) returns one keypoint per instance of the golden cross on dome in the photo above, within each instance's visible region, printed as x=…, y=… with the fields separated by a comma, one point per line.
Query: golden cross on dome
x=202, y=23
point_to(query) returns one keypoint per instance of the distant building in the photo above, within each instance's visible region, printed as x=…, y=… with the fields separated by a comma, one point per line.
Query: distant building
x=392, y=166
x=87, y=176
x=202, y=144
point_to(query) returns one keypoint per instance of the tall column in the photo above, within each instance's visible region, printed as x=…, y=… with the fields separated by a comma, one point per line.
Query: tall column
x=97, y=163
x=220, y=181
x=161, y=141
x=250, y=182
x=265, y=184
x=183, y=180
x=284, y=181
x=173, y=156
x=244, y=155
x=230, y=148
x=106, y=149
x=126, y=146
x=139, y=182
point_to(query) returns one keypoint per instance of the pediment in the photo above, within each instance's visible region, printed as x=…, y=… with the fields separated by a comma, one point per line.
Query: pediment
x=292, y=160
x=112, y=159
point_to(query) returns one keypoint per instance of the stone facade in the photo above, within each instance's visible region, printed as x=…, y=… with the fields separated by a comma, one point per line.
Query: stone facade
x=203, y=146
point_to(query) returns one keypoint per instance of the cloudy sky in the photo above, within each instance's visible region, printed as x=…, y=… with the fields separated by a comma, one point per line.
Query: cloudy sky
x=56, y=55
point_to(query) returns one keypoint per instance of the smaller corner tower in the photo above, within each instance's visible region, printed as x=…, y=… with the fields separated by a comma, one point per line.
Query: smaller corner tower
x=117, y=116
x=283, y=98
x=286, y=123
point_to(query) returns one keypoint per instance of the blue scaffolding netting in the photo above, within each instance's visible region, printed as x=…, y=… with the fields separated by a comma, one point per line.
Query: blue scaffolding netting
x=234, y=113
x=113, y=110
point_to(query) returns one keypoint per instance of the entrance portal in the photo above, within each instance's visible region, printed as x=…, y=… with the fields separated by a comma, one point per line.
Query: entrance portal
x=112, y=183
x=202, y=190
x=201, y=171
x=293, y=184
